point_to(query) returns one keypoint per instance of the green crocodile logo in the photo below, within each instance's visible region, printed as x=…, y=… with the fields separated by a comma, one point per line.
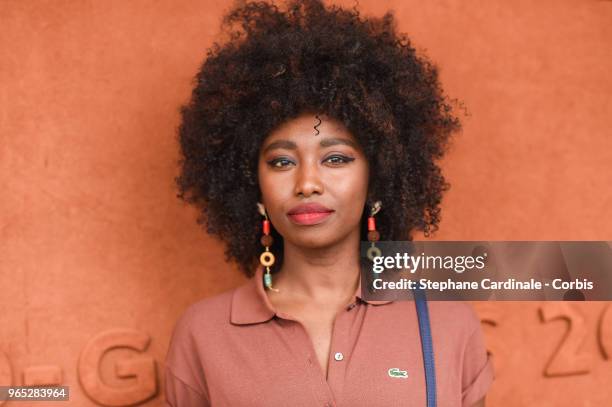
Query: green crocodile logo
x=396, y=372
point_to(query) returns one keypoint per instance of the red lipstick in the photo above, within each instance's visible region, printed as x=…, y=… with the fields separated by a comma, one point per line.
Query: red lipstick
x=309, y=214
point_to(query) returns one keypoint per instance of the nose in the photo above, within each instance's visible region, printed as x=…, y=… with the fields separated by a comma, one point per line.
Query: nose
x=308, y=180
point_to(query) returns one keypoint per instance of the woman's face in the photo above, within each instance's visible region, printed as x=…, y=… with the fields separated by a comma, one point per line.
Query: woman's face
x=314, y=187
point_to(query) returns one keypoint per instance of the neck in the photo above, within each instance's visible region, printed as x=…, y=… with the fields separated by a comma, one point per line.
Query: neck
x=321, y=274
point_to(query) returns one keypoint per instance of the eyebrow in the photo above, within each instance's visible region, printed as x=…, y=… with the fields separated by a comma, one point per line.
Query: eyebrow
x=326, y=142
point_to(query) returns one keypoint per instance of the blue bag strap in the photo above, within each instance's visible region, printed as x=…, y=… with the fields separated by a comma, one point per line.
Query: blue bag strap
x=426, y=345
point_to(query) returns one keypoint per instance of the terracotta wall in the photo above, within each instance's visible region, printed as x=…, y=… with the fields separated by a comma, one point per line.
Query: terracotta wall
x=98, y=258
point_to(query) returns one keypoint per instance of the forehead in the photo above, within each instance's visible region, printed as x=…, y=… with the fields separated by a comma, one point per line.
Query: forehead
x=303, y=130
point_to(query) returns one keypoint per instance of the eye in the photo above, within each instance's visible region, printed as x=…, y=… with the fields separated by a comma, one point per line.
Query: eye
x=338, y=159
x=280, y=162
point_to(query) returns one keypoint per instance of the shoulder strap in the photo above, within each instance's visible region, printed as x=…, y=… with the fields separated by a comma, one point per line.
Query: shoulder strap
x=426, y=345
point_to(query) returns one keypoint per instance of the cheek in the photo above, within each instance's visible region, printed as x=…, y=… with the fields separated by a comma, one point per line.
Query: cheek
x=265, y=186
x=273, y=190
x=265, y=182
x=353, y=185
x=349, y=191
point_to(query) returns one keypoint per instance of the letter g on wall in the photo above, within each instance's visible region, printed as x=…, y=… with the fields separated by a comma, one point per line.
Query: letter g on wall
x=143, y=368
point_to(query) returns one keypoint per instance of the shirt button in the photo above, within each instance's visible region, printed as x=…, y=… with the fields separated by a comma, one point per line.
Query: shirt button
x=338, y=356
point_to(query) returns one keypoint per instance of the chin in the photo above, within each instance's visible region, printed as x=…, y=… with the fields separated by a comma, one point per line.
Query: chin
x=316, y=240
x=316, y=243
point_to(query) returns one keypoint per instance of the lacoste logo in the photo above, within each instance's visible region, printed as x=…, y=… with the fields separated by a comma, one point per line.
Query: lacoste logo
x=396, y=372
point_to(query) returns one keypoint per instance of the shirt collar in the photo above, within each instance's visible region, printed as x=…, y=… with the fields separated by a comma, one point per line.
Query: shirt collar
x=250, y=303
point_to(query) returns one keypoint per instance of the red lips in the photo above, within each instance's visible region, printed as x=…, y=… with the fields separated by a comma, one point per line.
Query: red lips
x=309, y=214
x=309, y=208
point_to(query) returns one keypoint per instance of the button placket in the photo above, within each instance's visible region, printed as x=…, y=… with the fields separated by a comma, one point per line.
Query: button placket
x=322, y=388
x=338, y=352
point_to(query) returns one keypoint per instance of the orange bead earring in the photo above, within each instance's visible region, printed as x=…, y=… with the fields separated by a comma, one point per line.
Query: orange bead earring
x=267, y=257
x=373, y=234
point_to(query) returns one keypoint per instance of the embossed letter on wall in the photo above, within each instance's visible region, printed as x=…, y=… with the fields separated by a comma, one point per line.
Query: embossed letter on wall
x=143, y=368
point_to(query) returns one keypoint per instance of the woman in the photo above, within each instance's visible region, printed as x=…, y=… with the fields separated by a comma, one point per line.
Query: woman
x=304, y=124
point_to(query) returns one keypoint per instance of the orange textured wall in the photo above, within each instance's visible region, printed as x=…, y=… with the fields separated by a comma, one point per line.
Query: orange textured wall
x=98, y=258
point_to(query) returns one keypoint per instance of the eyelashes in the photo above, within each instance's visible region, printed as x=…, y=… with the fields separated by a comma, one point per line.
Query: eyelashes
x=277, y=161
x=342, y=158
x=334, y=160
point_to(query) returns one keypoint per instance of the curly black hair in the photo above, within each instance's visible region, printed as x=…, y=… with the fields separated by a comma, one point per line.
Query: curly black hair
x=307, y=57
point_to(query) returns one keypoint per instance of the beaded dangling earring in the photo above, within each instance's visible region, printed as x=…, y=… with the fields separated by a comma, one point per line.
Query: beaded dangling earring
x=267, y=258
x=373, y=234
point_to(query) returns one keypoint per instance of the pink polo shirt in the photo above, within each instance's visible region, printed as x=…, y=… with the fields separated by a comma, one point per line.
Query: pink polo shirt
x=235, y=350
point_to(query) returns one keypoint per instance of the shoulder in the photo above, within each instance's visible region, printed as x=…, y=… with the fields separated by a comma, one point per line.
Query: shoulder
x=462, y=349
x=455, y=318
x=459, y=340
x=198, y=327
x=455, y=313
x=207, y=313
